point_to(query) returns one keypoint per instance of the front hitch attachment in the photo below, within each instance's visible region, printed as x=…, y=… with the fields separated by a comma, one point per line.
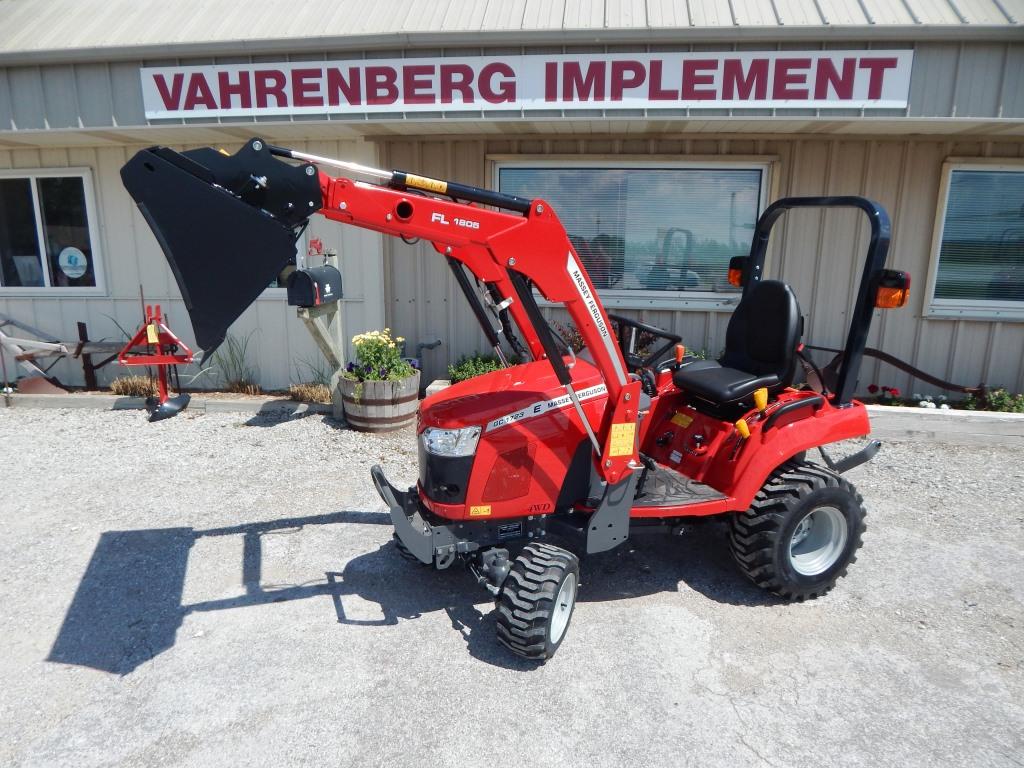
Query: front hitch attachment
x=418, y=536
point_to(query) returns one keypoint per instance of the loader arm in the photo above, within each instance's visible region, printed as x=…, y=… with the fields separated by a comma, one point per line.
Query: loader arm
x=519, y=247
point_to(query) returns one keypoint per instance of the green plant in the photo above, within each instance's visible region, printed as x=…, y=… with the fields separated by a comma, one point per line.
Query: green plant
x=995, y=400
x=472, y=365
x=232, y=362
x=378, y=358
x=133, y=386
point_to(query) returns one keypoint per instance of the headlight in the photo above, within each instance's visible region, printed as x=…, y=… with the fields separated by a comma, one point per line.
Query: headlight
x=451, y=442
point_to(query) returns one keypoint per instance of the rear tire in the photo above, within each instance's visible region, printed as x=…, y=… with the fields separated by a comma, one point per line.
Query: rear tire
x=801, y=533
x=537, y=600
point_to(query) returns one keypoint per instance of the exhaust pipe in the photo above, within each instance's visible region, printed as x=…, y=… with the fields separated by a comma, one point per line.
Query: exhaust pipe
x=227, y=224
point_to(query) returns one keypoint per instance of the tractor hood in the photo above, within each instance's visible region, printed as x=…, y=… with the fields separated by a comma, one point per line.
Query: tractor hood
x=227, y=224
x=508, y=396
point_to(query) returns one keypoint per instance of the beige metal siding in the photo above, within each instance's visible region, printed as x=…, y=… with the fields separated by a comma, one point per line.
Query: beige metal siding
x=818, y=253
x=51, y=26
x=280, y=347
x=976, y=80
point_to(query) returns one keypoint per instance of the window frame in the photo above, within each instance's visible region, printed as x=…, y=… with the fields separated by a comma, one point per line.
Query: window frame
x=967, y=309
x=92, y=221
x=694, y=301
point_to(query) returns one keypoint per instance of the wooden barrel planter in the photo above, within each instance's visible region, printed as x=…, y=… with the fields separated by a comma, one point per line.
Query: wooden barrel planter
x=380, y=406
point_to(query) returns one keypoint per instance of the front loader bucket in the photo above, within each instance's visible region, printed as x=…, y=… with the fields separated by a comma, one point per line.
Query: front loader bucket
x=226, y=223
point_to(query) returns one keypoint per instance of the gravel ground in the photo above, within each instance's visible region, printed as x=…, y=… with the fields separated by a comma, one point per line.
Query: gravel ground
x=222, y=590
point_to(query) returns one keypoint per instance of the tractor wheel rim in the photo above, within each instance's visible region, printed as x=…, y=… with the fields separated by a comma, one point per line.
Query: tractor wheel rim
x=562, y=610
x=818, y=541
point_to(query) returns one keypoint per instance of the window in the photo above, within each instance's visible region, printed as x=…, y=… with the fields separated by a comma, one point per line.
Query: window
x=978, y=268
x=650, y=234
x=46, y=238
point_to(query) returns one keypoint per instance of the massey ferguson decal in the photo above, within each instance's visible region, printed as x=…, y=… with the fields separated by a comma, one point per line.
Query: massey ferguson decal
x=573, y=267
x=867, y=79
x=585, y=293
x=543, y=406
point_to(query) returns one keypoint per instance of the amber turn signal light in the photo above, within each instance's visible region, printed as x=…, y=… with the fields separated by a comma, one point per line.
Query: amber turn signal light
x=736, y=265
x=893, y=289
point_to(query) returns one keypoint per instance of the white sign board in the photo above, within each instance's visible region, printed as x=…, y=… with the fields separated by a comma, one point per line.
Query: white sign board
x=868, y=79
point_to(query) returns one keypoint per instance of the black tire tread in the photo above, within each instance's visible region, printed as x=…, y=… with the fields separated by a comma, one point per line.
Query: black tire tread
x=754, y=534
x=528, y=596
x=404, y=551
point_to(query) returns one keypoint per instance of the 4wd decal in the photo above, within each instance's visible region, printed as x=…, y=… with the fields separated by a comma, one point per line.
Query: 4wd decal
x=543, y=406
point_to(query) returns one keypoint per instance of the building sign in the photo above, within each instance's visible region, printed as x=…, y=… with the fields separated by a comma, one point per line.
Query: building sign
x=755, y=80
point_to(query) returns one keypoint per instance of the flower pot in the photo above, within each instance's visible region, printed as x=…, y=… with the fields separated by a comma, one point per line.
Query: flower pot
x=380, y=406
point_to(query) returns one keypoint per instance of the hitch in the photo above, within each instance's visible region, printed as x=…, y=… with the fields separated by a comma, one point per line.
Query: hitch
x=853, y=460
x=154, y=344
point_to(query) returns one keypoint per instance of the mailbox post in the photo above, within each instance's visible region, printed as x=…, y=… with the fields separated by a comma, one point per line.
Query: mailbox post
x=317, y=297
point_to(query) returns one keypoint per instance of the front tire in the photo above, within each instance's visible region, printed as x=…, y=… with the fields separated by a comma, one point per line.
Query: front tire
x=536, y=601
x=801, y=533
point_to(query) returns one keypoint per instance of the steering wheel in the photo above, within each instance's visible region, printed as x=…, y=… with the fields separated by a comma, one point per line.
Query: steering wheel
x=630, y=337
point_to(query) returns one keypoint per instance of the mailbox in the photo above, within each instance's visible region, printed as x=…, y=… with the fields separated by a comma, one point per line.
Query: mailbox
x=314, y=287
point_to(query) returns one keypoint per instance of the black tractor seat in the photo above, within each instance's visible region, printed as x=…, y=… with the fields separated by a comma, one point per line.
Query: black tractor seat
x=760, y=349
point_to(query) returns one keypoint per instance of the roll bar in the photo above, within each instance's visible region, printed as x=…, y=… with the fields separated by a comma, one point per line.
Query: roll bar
x=874, y=266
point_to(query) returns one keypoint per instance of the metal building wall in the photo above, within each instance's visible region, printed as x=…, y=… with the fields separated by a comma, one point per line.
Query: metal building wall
x=818, y=253
x=280, y=348
x=977, y=80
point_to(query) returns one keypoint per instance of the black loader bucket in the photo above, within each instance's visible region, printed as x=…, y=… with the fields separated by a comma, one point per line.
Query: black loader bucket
x=226, y=223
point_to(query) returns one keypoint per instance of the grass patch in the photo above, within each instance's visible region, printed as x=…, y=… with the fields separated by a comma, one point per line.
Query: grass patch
x=133, y=386
x=310, y=392
x=232, y=362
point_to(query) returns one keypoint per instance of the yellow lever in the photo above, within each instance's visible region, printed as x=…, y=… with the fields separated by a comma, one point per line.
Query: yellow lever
x=742, y=428
x=761, y=399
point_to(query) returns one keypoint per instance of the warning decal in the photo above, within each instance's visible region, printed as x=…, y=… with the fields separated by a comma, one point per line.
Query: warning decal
x=623, y=439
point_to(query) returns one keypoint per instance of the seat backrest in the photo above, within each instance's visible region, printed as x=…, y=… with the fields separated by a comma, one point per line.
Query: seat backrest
x=764, y=331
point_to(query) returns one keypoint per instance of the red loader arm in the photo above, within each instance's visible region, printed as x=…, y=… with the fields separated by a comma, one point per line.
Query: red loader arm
x=508, y=250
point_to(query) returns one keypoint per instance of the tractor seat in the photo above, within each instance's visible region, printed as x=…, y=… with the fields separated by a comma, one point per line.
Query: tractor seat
x=760, y=348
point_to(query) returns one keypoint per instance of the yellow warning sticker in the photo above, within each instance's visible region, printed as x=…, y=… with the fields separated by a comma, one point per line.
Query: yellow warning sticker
x=152, y=336
x=623, y=439
x=481, y=511
x=423, y=182
x=682, y=420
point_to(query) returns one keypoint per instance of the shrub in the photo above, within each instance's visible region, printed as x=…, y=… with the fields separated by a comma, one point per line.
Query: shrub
x=570, y=335
x=133, y=386
x=310, y=392
x=996, y=400
x=472, y=365
x=378, y=358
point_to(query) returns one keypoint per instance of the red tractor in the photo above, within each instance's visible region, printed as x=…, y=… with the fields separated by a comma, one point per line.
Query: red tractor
x=524, y=469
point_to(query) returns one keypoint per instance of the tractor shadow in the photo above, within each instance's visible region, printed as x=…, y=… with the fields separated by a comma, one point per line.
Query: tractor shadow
x=128, y=606
x=647, y=564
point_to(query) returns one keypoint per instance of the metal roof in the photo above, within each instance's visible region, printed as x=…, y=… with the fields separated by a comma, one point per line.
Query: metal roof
x=79, y=30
